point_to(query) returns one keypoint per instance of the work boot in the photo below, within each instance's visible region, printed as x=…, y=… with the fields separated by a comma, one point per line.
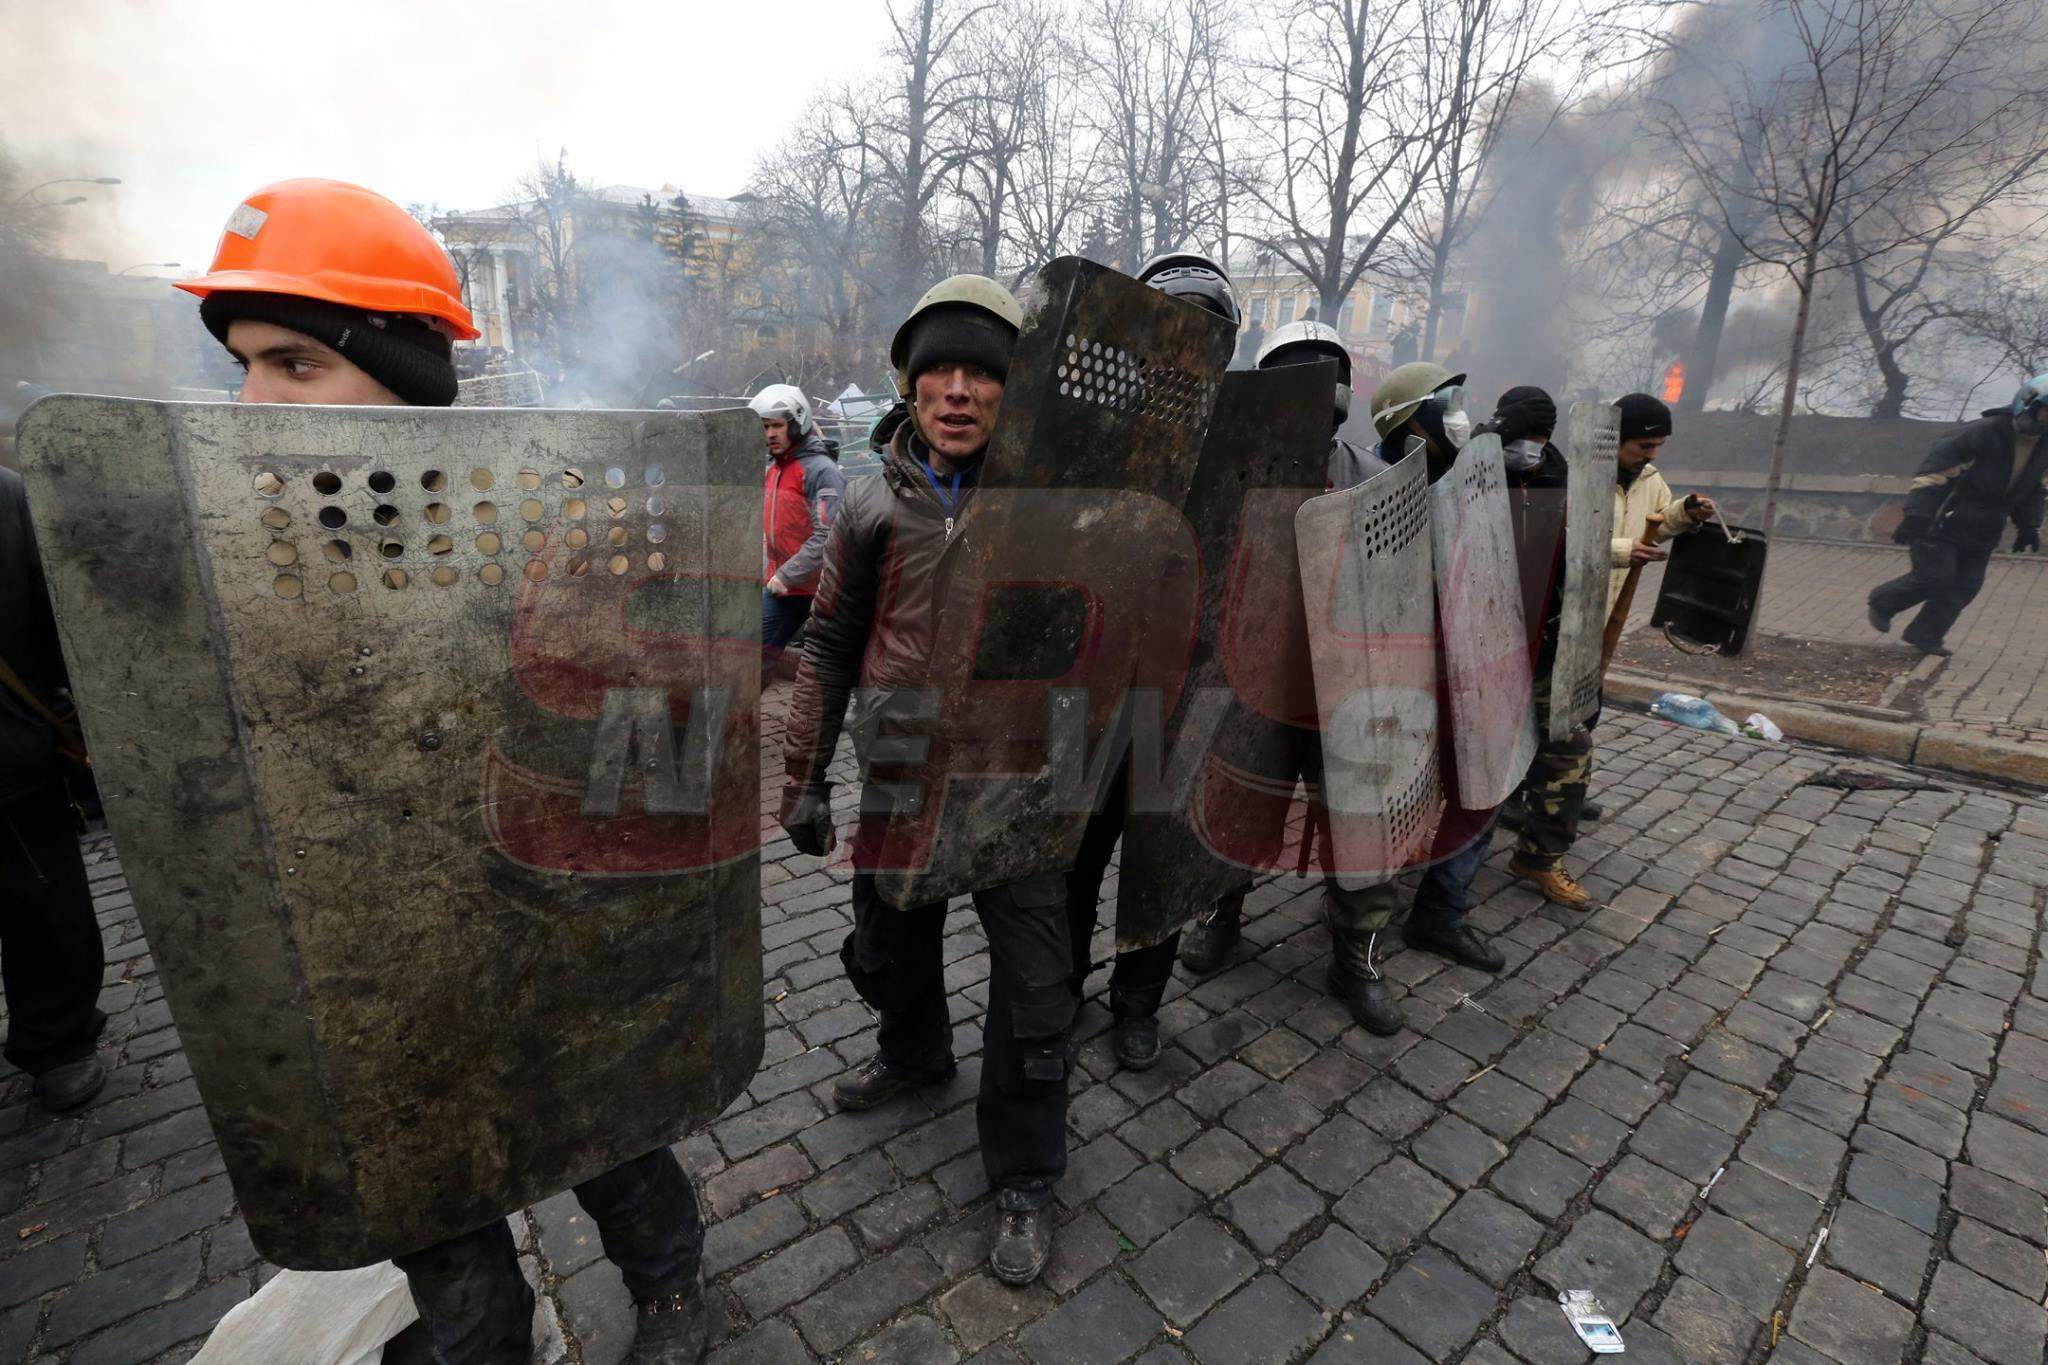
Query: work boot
x=1591, y=810
x=674, y=1329
x=1458, y=943
x=1939, y=651
x=63, y=1088
x=1880, y=621
x=1137, y=1042
x=874, y=1082
x=1023, y=1244
x=1355, y=979
x=1210, y=940
x=1558, y=886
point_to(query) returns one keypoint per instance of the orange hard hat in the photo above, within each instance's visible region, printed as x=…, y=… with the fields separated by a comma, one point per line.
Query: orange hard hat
x=340, y=243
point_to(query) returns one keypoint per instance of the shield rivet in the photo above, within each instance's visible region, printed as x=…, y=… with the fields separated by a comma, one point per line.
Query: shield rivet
x=430, y=741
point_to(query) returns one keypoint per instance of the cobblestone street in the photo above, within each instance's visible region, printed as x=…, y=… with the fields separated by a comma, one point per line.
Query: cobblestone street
x=1801, y=1010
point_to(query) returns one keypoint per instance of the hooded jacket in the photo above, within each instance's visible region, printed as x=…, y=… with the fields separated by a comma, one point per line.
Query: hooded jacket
x=1973, y=481
x=803, y=492
x=1633, y=504
x=28, y=642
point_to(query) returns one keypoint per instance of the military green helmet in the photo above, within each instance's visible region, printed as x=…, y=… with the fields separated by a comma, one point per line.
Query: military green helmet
x=977, y=292
x=1405, y=389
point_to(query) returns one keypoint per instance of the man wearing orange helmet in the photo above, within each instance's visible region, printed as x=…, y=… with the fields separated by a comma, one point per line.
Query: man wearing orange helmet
x=327, y=293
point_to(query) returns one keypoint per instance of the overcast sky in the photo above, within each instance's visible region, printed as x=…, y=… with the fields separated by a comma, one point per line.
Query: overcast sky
x=194, y=103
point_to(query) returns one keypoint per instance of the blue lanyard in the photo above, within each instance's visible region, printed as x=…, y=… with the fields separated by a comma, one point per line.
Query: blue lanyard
x=951, y=500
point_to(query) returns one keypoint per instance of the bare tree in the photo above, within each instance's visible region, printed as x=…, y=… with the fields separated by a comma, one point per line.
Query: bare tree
x=1059, y=171
x=1844, y=103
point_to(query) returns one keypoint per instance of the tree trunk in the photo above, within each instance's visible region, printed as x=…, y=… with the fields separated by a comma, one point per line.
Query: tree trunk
x=1706, y=344
x=1784, y=435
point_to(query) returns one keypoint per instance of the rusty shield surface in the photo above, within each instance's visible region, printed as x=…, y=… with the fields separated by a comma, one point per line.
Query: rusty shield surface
x=1487, y=678
x=1370, y=600
x=1593, y=434
x=1074, y=580
x=429, y=742
x=1208, y=801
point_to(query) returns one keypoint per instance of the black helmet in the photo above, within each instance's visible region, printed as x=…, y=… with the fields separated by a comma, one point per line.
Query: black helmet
x=1192, y=276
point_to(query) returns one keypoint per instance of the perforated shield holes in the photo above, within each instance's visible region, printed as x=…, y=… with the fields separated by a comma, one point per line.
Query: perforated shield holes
x=333, y=518
x=338, y=551
x=616, y=506
x=434, y=481
x=579, y=565
x=572, y=478
x=382, y=481
x=440, y=545
x=656, y=534
x=287, y=585
x=446, y=576
x=485, y=513
x=615, y=478
x=1392, y=526
x=531, y=509
x=491, y=574
x=615, y=536
x=437, y=513
x=282, y=553
x=1107, y=375
x=618, y=564
x=577, y=538
x=654, y=476
x=276, y=518
x=268, y=485
x=574, y=509
x=657, y=562
x=656, y=506
x=533, y=540
x=536, y=569
x=391, y=549
x=529, y=479
x=481, y=479
x=385, y=515
x=395, y=578
x=341, y=583
x=489, y=543
x=327, y=483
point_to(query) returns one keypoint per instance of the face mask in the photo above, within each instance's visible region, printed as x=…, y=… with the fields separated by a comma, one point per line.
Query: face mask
x=1522, y=456
x=1458, y=427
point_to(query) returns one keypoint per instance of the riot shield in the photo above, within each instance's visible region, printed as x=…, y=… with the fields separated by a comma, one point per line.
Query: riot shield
x=429, y=742
x=1370, y=600
x=1208, y=801
x=1593, y=434
x=1073, y=579
x=1711, y=587
x=1486, y=643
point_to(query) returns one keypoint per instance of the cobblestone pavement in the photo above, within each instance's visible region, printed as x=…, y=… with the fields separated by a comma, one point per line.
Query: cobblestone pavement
x=1824, y=1010
x=1997, y=683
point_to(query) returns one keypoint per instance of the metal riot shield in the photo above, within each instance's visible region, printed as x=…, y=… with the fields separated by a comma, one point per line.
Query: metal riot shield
x=429, y=742
x=1370, y=599
x=1074, y=579
x=1593, y=432
x=1208, y=799
x=1711, y=587
x=1486, y=643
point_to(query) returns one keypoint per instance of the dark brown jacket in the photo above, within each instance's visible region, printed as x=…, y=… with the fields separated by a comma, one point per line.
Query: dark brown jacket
x=873, y=620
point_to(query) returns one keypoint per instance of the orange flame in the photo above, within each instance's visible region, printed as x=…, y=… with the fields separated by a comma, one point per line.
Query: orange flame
x=1674, y=382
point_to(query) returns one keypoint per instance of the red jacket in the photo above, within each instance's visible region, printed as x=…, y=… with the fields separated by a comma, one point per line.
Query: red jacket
x=803, y=491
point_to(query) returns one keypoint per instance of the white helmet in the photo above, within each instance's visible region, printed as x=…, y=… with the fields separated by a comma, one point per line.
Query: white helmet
x=786, y=401
x=1299, y=343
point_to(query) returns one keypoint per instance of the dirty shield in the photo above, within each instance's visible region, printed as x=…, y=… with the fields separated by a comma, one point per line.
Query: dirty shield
x=1370, y=600
x=1074, y=580
x=1593, y=435
x=429, y=742
x=1208, y=803
x=1487, y=679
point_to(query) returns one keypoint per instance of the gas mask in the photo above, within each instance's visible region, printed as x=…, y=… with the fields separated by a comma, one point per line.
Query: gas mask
x=1457, y=423
x=1522, y=456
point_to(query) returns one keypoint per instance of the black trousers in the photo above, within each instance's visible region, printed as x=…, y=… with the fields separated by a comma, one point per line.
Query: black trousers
x=1945, y=576
x=1138, y=980
x=51, y=956
x=478, y=1309
x=895, y=960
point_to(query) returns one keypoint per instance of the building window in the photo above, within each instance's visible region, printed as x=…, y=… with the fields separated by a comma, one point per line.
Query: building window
x=1347, y=317
x=1287, y=306
x=1451, y=320
x=1382, y=313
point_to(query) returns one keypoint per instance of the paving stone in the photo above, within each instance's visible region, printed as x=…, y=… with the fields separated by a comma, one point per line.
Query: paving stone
x=1159, y=1129
x=1265, y=1323
x=1103, y=1324
x=1735, y=1060
x=1272, y=1119
x=1580, y=1130
x=1899, y=1152
x=1538, y=1332
x=1491, y=1236
x=1999, y=1202
x=1681, y=1144
x=1998, y=1324
x=1737, y=1263
x=1335, y=1268
x=1271, y=1207
x=1457, y=1152
x=1714, y=1330
x=148, y=1334
x=1337, y=1155
x=831, y=1318
x=1725, y=1106
x=1433, y=1303
x=1093, y=1168
x=888, y=1220
x=41, y=1269
x=1365, y=1341
x=1646, y=1196
x=111, y=1295
x=1848, y=1322
x=914, y=1340
x=1912, y=1199
x=1767, y=1204
x=1540, y=1178
x=1191, y=1269
x=1606, y=1256
x=1219, y=1087
x=1822, y=1104
x=1618, y=1091
x=1146, y=1204
x=1394, y=1205
x=1390, y=1109
x=1996, y=1256
x=1434, y=1070
x=1546, y=1062
x=848, y=1185
x=982, y=1308
x=1215, y=1161
x=1798, y=1153
x=741, y=1238
x=1501, y=1105
x=1083, y=1246
x=795, y=1272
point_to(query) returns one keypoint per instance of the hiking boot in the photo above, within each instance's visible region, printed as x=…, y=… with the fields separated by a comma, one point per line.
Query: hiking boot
x=1137, y=1042
x=1023, y=1244
x=1209, y=942
x=875, y=1082
x=1458, y=943
x=1939, y=651
x=1591, y=810
x=63, y=1088
x=674, y=1329
x=1370, y=1000
x=1558, y=886
x=1880, y=621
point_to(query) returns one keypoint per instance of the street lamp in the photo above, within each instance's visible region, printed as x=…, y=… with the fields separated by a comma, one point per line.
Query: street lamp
x=30, y=192
x=148, y=265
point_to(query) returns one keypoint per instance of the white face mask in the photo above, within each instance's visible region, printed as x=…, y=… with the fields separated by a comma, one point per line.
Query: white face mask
x=1458, y=427
x=1522, y=456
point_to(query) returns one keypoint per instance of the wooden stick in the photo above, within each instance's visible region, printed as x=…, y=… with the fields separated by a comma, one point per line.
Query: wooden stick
x=1617, y=620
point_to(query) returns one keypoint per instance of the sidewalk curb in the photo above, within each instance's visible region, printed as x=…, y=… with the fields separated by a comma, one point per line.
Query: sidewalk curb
x=1926, y=746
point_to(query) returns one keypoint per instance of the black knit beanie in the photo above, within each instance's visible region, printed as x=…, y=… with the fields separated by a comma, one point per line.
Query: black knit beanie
x=1642, y=415
x=402, y=353
x=955, y=333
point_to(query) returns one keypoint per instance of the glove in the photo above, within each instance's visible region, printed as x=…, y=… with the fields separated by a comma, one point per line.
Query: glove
x=1525, y=419
x=1912, y=529
x=2025, y=539
x=807, y=817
